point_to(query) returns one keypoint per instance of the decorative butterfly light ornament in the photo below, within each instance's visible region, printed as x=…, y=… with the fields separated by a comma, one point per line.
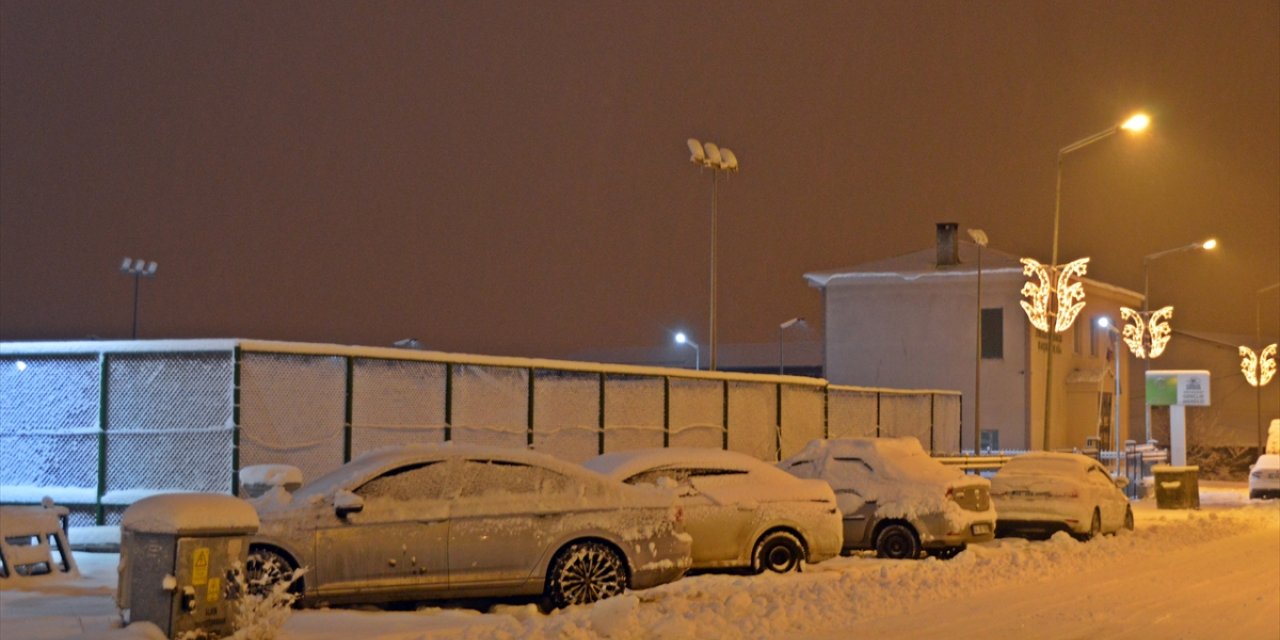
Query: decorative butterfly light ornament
x=1258, y=368
x=1068, y=295
x=1147, y=337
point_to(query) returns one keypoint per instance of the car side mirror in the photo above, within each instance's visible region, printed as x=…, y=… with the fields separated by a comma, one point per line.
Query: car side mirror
x=346, y=503
x=1121, y=482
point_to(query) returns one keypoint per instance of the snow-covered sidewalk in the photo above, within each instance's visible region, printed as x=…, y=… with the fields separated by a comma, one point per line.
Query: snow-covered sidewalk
x=1210, y=573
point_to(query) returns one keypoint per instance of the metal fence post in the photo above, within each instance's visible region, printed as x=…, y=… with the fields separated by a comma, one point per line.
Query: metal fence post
x=724, y=436
x=348, y=411
x=99, y=512
x=666, y=412
x=777, y=424
x=235, y=420
x=448, y=401
x=529, y=425
x=600, y=419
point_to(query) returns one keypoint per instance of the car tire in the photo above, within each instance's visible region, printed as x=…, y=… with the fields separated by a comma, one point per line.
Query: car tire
x=946, y=553
x=897, y=541
x=1128, y=518
x=1095, y=526
x=585, y=572
x=779, y=552
x=265, y=568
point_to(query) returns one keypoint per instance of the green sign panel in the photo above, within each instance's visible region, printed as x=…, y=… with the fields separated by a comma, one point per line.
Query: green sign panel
x=1186, y=388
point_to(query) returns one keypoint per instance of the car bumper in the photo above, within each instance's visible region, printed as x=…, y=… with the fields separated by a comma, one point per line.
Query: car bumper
x=665, y=561
x=1031, y=528
x=1256, y=493
x=939, y=533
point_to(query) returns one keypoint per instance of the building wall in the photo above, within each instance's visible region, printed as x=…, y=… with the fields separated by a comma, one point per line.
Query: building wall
x=922, y=333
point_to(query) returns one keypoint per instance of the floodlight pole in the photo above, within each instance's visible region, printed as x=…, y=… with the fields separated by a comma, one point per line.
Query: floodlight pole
x=783, y=327
x=1262, y=438
x=138, y=269
x=979, y=238
x=718, y=159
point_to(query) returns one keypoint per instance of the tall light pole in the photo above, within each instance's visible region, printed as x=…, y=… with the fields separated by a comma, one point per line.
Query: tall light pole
x=794, y=322
x=681, y=338
x=1259, y=378
x=1105, y=323
x=138, y=269
x=1207, y=245
x=1134, y=124
x=719, y=160
x=979, y=238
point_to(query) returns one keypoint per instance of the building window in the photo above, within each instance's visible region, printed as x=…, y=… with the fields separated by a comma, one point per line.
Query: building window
x=1077, y=339
x=1095, y=336
x=990, y=440
x=993, y=333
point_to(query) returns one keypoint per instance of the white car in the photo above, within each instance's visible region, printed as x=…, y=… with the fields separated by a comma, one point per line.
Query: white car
x=741, y=512
x=456, y=521
x=1264, y=477
x=897, y=500
x=1040, y=493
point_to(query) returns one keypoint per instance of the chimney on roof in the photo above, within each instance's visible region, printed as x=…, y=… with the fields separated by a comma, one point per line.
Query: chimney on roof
x=948, y=244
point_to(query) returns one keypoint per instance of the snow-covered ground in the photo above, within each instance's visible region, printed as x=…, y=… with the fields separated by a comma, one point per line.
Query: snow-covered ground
x=1212, y=573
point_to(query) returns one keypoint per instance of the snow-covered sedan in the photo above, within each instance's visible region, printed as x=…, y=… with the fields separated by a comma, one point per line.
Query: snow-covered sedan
x=1040, y=493
x=897, y=500
x=456, y=521
x=741, y=512
x=1264, y=477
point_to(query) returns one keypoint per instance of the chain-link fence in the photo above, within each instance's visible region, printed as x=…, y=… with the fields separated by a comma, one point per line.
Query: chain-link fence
x=100, y=425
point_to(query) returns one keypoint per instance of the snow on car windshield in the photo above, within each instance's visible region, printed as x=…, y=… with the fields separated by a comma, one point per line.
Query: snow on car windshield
x=1042, y=467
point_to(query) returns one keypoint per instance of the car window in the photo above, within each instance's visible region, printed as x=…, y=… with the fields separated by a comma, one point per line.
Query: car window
x=803, y=468
x=500, y=477
x=428, y=480
x=677, y=476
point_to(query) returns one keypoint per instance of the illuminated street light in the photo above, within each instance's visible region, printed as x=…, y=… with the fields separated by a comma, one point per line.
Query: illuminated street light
x=979, y=238
x=1149, y=332
x=797, y=323
x=697, y=353
x=1258, y=367
x=719, y=160
x=1134, y=124
x=1105, y=323
x=138, y=269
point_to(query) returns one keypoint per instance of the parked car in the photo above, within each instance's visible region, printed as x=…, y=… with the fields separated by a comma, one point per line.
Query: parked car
x=741, y=512
x=1264, y=477
x=457, y=521
x=1038, y=494
x=897, y=500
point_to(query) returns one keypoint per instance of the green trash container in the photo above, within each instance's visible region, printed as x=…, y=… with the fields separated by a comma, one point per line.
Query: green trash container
x=1177, y=487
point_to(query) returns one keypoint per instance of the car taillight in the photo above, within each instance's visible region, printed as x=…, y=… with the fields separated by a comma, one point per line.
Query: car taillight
x=679, y=515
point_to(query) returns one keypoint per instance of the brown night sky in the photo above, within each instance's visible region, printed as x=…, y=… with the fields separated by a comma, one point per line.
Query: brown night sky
x=512, y=178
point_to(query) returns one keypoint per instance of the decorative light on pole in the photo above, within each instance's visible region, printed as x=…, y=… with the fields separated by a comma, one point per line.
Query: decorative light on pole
x=798, y=323
x=1147, y=333
x=138, y=269
x=1260, y=366
x=979, y=238
x=1051, y=278
x=719, y=160
x=681, y=338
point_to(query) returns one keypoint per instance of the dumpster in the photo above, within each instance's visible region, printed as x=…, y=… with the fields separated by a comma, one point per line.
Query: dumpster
x=181, y=557
x=1177, y=487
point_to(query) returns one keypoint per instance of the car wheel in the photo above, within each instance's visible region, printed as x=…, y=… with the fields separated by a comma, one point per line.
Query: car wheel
x=264, y=569
x=585, y=572
x=1128, y=518
x=946, y=553
x=897, y=541
x=777, y=551
x=1095, y=526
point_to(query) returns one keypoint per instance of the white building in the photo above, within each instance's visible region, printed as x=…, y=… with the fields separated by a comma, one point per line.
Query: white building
x=911, y=322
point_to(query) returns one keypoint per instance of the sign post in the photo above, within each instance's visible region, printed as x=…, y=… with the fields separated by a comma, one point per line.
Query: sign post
x=1178, y=390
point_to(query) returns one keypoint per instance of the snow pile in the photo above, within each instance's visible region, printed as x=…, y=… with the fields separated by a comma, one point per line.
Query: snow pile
x=188, y=513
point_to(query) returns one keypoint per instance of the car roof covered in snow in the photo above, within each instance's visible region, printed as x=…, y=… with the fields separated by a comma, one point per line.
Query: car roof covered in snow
x=894, y=457
x=1045, y=461
x=374, y=462
x=624, y=464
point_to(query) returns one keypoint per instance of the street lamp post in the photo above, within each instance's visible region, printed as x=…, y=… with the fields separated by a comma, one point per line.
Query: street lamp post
x=1134, y=124
x=681, y=338
x=1261, y=356
x=979, y=238
x=794, y=322
x=1105, y=323
x=138, y=269
x=1207, y=245
x=719, y=160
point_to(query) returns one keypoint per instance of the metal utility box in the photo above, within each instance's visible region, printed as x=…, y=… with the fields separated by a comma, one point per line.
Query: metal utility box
x=1177, y=487
x=180, y=557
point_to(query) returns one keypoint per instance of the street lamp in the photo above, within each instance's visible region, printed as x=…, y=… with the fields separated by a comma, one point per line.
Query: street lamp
x=1259, y=367
x=979, y=238
x=798, y=323
x=719, y=160
x=1148, y=333
x=1134, y=124
x=697, y=354
x=1105, y=323
x=138, y=269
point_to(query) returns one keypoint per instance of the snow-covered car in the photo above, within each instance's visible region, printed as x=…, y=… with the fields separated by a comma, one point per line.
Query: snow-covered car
x=1040, y=493
x=456, y=521
x=742, y=513
x=1264, y=477
x=897, y=500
